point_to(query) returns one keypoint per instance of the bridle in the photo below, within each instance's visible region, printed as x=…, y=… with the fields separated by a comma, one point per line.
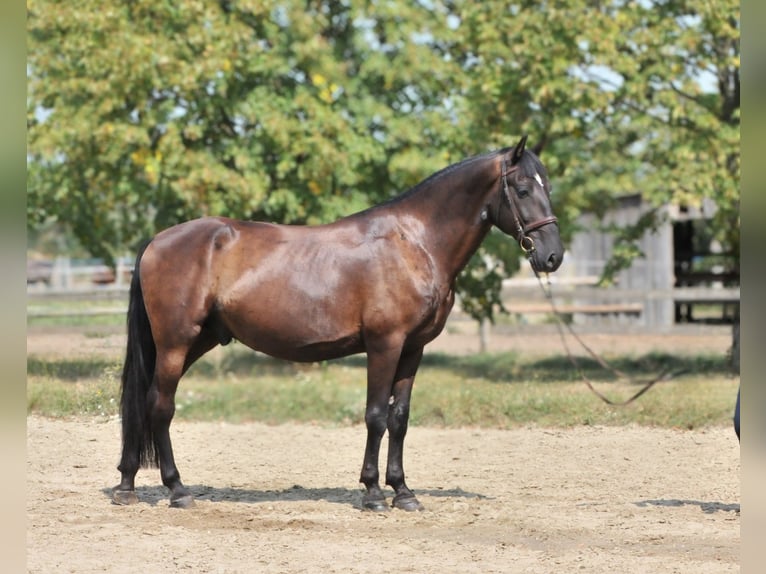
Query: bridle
x=526, y=243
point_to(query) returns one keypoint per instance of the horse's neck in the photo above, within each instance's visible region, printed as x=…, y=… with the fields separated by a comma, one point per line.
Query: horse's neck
x=450, y=209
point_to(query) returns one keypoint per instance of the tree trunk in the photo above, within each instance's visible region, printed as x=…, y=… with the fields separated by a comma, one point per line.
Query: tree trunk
x=484, y=327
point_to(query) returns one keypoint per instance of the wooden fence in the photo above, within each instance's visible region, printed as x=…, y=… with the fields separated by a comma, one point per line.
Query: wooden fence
x=587, y=303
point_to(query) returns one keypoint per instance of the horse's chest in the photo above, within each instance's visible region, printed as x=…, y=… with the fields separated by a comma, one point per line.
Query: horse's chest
x=436, y=318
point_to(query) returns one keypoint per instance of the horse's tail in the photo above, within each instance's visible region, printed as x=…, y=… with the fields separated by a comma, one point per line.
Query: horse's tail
x=137, y=373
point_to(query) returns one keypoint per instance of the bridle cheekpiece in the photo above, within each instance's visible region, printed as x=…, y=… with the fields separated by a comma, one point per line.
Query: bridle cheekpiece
x=526, y=243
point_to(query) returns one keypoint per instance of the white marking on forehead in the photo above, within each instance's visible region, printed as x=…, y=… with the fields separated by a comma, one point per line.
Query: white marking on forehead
x=539, y=179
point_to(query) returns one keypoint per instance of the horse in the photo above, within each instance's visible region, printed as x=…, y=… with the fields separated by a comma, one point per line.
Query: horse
x=380, y=282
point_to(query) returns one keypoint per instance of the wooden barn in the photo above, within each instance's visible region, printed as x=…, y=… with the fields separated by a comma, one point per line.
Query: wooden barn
x=684, y=275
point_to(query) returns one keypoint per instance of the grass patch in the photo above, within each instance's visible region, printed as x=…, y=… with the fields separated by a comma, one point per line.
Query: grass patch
x=69, y=369
x=56, y=397
x=494, y=390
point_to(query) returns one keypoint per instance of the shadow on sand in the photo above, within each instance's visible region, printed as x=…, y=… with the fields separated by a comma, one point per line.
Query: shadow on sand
x=706, y=507
x=155, y=495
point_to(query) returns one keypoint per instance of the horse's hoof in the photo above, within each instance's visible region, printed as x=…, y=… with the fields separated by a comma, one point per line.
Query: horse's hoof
x=124, y=497
x=183, y=501
x=375, y=504
x=408, y=503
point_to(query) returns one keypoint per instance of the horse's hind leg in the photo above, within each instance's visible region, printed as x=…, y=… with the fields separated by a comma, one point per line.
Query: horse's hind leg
x=161, y=403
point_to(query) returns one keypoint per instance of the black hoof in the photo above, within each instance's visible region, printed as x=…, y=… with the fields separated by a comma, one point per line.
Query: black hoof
x=183, y=501
x=124, y=497
x=408, y=503
x=376, y=504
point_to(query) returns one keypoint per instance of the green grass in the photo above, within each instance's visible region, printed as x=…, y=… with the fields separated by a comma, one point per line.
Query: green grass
x=493, y=390
x=72, y=388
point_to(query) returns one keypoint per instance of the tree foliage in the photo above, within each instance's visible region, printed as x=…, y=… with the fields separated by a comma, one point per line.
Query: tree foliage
x=665, y=83
x=143, y=114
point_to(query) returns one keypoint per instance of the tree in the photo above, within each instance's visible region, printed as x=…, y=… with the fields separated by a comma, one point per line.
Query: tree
x=670, y=112
x=144, y=114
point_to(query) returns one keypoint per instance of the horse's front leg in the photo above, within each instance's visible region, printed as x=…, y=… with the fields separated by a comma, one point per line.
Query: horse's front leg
x=382, y=360
x=398, y=417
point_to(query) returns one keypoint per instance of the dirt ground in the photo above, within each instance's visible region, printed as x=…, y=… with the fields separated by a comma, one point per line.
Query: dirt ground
x=285, y=499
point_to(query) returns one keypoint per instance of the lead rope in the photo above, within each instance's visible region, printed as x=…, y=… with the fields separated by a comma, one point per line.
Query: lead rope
x=663, y=376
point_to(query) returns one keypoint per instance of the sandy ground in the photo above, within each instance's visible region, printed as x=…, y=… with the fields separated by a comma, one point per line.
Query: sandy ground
x=285, y=499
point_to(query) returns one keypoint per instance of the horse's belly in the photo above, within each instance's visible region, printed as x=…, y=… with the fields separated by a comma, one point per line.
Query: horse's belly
x=300, y=346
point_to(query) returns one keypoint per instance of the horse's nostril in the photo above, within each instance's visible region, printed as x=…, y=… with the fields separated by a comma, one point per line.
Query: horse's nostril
x=552, y=261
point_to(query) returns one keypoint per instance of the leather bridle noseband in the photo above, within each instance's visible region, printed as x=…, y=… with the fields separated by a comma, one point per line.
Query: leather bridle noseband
x=525, y=241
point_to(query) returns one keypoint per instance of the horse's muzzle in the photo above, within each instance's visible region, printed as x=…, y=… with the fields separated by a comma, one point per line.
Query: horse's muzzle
x=553, y=261
x=545, y=260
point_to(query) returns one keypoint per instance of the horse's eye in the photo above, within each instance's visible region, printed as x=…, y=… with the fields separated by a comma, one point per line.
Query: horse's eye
x=522, y=191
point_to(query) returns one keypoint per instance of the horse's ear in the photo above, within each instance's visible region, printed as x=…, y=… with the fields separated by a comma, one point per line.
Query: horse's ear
x=518, y=151
x=538, y=147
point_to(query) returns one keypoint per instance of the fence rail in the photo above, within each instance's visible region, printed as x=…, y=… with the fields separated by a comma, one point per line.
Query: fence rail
x=65, y=273
x=587, y=303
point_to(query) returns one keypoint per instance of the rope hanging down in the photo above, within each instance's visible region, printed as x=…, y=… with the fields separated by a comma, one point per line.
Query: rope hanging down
x=663, y=376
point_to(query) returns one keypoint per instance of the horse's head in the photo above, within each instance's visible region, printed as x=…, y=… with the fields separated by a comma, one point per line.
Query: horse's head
x=523, y=208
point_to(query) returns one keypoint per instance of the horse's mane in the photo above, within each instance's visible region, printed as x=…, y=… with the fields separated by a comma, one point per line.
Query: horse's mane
x=529, y=165
x=441, y=173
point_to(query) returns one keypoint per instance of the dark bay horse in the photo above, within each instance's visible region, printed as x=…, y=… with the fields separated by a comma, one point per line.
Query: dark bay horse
x=380, y=282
